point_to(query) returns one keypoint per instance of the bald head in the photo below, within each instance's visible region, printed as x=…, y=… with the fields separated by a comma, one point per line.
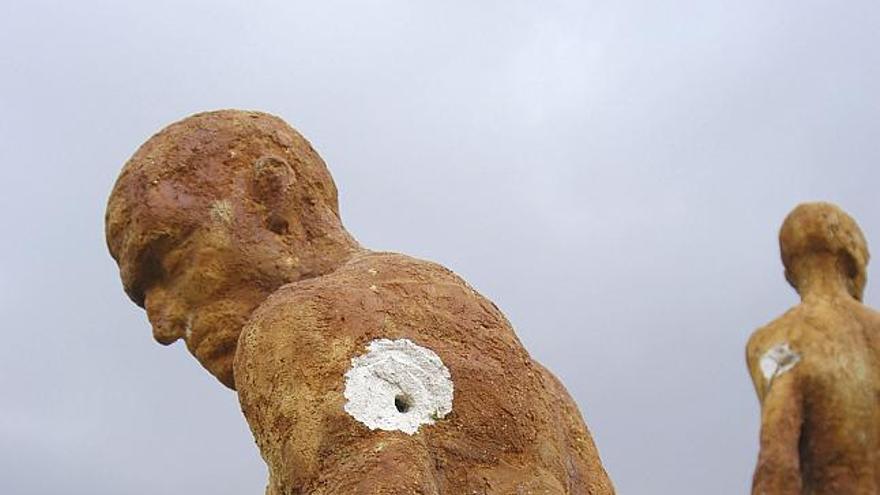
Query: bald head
x=823, y=230
x=185, y=175
x=211, y=215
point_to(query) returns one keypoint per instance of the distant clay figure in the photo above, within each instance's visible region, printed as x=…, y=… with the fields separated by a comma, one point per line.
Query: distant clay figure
x=359, y=372
x=816, y=369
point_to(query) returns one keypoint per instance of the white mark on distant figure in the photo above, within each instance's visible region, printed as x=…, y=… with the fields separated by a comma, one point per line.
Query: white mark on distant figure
x=778, y=360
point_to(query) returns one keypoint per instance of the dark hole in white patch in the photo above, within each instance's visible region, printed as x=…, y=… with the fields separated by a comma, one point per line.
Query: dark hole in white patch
x=402, y=402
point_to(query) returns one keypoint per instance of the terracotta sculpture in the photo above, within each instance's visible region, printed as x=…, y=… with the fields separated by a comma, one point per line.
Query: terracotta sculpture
x=359, y=372
x=815, y=369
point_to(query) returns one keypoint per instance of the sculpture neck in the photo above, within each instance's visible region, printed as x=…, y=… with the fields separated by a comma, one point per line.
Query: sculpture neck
x=819, y=277
x=328, y=254
x=320, y=243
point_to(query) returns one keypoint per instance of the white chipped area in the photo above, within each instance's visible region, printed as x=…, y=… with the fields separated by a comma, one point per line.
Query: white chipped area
x=778, y=360
x=398, y=386
x=221, y=211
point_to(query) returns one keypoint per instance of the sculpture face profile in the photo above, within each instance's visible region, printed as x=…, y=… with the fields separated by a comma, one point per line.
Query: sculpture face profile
x=206, y=220
x=816, y=369
x=358, y=372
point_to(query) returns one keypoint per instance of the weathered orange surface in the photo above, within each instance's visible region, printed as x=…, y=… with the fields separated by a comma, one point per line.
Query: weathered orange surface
x=229, y=220
x=820, y=420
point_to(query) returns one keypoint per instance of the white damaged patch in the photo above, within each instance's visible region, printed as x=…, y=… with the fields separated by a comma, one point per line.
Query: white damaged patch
x=776, y=361
x=398, y=386
x=221, y=211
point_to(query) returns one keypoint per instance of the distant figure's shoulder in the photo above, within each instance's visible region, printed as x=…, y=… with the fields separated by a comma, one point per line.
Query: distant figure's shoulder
x=784, y=328
x=777, y=348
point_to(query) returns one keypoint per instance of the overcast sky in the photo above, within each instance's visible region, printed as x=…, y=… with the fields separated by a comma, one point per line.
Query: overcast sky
x=611, y=173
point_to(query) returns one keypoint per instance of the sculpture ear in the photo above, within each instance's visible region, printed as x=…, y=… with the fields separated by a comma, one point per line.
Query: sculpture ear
x=270, y=185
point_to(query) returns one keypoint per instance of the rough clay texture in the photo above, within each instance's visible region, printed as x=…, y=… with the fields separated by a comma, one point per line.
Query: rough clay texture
x=816, y=369
x=229, y=211
x=512, y=428
x=398, y=386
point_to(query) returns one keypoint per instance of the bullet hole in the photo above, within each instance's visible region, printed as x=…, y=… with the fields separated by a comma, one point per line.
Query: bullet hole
x=398, y=386
x=403, y=403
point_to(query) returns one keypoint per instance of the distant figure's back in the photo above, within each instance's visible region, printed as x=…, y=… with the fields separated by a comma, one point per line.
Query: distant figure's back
x=815, y=369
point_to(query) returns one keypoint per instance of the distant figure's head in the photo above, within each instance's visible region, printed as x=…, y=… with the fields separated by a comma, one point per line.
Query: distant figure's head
x=210, y=216
x=814, y=231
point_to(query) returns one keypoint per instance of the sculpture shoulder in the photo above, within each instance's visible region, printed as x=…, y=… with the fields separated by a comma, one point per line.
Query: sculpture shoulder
x=817, y=342
x=389, y=266
x=776, y=349
x=371, y=268
x=786, y=328
x=869, y=319
x=397, y=286
x=807, y=325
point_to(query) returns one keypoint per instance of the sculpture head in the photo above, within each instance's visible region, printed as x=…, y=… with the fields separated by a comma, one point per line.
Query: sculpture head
x=210, y=216
x=814, y=231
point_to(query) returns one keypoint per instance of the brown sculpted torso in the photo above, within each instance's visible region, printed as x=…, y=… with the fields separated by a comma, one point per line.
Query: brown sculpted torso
x=511, y=430
x=838, y=387
x=226, y=229
x=820, y=430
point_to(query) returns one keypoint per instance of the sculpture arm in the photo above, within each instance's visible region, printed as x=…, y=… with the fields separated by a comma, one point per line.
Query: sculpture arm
x=778, y=470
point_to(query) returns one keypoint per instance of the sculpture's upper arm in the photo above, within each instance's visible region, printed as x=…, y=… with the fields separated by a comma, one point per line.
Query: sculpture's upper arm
x=778, y=470
x=753, y=351
x=750, y=361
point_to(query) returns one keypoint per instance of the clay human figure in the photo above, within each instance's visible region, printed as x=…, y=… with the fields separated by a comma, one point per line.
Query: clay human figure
x=359, y=372
x=815, y=369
